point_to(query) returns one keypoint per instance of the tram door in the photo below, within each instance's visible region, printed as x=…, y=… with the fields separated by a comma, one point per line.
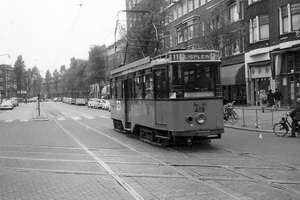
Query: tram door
x=160, y=93
x=127, y=95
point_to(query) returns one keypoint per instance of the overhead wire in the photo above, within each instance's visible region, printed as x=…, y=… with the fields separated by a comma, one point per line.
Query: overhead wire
x=70, y=31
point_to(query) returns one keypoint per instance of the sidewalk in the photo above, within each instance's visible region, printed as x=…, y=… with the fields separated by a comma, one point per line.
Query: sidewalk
x=252, y=118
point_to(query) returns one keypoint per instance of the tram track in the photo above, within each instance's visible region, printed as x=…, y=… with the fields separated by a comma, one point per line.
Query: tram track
x=117, y=176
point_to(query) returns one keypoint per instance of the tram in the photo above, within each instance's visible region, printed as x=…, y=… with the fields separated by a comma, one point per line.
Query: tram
x=170, y=99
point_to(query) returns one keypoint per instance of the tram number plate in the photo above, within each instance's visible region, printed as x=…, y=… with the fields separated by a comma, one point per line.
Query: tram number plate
x=199, y=109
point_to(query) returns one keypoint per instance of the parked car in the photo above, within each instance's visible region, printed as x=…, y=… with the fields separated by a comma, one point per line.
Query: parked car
x=92, y=102
x=7, y=104
x=56, y=99
x=15, y=101
x=80, y=101
x=73, y=101
x=106, y=106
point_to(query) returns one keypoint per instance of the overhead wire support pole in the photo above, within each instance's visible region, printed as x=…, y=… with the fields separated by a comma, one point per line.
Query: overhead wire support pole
x=128, y=38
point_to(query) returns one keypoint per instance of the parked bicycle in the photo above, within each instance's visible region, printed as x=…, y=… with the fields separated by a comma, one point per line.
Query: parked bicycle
x=284, y=126
x=229, y=113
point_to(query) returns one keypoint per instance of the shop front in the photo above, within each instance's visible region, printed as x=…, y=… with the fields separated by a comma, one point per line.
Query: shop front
x=286, y=64
x=233, y=83
x=261, y=78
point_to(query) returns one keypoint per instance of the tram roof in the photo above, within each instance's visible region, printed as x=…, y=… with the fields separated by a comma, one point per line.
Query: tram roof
x=161, y=59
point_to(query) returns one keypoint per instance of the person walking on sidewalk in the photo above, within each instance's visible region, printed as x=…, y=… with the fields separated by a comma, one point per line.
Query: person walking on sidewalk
x=270, y=99
x=295, y=115
x=263, y=100
x=278, y=98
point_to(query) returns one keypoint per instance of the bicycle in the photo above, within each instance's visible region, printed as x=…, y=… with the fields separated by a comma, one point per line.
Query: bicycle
x=229, y=113
x=282, y=127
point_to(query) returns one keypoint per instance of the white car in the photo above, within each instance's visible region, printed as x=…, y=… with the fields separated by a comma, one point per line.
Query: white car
x=92, y=102
x=7, y=104
x=80, y=101
x=106, y=106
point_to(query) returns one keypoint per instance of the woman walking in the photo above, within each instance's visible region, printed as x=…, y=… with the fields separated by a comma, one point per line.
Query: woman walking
x=263, y=100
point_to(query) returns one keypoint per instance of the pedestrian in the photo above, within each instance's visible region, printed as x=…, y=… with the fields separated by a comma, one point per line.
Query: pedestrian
x=263, y=100
x=25, y=100
x=270, y=98
x=278, y=97
x=295, y=115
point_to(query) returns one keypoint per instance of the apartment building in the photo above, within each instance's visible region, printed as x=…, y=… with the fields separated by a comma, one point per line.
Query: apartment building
x=272, y=53
x=8, y=84
x=186, y=25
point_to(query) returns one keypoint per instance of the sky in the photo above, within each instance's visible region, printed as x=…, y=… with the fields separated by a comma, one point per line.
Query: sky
x=48, y=33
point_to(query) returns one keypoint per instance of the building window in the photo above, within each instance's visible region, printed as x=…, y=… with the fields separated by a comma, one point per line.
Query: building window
x=196, y=3
x=289, y=18
x=259, y=28
x=295, y=12
x=236, y=12
x=263, y=27
x=202, y=2
x=252, y=1
x=191, y=6
x=179, y=12
x=253, y=30
x=1, y=80
x=185, y=7
x=174, y=14
x=285, y=19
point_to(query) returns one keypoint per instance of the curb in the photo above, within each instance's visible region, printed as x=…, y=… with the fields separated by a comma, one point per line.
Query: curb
x=41, y=117
x=248, y=129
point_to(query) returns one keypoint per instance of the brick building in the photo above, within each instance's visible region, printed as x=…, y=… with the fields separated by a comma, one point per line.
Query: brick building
x=272, y=57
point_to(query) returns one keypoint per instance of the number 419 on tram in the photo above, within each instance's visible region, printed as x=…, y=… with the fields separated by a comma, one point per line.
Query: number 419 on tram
x=170, y=99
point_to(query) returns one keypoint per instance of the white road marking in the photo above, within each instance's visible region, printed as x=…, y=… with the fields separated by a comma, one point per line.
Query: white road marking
x=61, y=119
x=24, y=120
x=90, y=117
x=9, y=120
x=76, y=118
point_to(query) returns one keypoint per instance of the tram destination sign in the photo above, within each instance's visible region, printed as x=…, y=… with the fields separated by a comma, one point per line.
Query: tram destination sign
x=190, y=56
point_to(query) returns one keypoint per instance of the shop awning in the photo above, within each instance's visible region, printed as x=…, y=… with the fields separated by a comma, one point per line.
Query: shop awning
x=233, y=74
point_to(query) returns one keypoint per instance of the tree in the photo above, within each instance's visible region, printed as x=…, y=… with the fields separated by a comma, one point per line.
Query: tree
x=48, y=79
x=97, y=65
x=56, y=77
x=19, y=69
x=216, y=31
x=145, y=22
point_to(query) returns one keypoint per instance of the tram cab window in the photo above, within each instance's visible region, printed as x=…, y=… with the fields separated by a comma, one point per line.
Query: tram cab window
x=175, y=81
x=199, y=80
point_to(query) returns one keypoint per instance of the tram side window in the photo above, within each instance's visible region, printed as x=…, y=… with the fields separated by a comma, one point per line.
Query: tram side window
x=148, y=79
x=175, y=90
x=119, y=89
x=138, y=87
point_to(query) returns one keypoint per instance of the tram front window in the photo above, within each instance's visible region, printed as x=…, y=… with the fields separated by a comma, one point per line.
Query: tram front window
x=199, y=80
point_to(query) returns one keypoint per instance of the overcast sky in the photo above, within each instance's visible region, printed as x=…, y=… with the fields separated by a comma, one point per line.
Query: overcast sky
x=48, y=33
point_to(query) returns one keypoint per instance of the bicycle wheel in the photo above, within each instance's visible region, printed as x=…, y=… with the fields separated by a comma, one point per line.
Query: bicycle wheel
x=233, y=118
x=280, y=130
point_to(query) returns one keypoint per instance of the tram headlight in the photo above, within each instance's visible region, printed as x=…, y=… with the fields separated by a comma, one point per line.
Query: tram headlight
x=200, y=118
x=189, y=119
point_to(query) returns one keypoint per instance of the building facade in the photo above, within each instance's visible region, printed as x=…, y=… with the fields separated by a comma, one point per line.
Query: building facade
x=185, y=25
x=8, y=83
x=272, y=58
